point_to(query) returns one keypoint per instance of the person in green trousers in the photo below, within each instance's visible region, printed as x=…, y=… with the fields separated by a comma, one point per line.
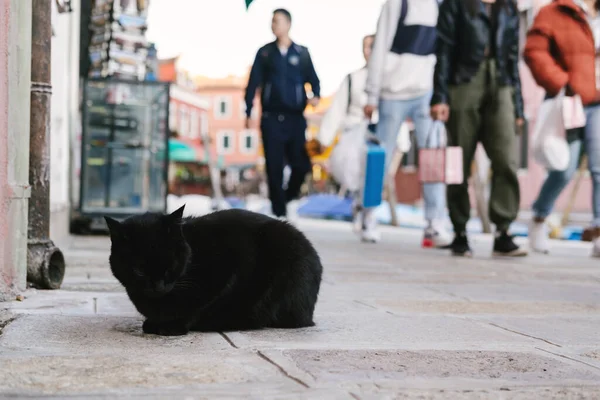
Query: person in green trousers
x=477, y=92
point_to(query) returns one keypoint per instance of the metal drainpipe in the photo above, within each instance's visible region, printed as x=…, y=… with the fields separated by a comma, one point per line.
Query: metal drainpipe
x=45, y=262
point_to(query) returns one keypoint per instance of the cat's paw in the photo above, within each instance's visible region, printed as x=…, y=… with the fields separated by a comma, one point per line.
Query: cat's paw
x=150, y=327
x=164, y=329
x=172, y=330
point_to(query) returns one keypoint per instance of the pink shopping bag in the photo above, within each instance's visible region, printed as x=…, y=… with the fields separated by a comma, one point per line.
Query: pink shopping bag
x=573, y=113
x=443, y=164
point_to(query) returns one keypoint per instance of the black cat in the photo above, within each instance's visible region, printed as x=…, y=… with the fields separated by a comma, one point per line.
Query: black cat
x=229, y=270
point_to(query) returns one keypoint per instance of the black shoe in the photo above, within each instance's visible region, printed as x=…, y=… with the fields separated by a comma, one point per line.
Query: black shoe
x=504, y=246
x=460, y=246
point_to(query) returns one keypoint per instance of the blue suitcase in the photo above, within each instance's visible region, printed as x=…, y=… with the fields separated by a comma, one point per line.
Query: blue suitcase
x=374, y=173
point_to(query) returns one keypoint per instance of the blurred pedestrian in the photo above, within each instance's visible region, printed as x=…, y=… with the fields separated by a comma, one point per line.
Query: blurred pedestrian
x=347, y=107
x=346, y=113
x=562, y=51
x=281, y=69
x=478, y=92
x=399, y=86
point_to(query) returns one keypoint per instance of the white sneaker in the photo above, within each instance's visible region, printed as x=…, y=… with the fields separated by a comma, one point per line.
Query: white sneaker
x=370, y=233
x=596, y=248
x=370, y=236
x=357, y=219
x=538, y=237
x=357, y=223
x=292, y=211
x=436, y=237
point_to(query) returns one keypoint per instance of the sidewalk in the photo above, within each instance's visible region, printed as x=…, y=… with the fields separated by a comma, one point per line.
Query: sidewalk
x=393, y=321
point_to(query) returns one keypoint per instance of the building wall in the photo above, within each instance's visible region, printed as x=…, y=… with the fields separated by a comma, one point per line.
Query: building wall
x=220, y=108
x=15, y=84
x=167, y=70
x=64, y=113
x=188, y=110
x=227, y=94
x=226, y=116
x=188, y=113
x=7, y=269
x=188, y=116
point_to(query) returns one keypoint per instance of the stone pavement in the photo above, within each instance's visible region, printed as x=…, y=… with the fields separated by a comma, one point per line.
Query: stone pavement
x=393, y=322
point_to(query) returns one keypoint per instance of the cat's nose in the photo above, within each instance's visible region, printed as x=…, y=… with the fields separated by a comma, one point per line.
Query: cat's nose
x=159, y=286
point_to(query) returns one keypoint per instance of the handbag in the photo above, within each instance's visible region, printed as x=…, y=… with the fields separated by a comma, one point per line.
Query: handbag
x=372, y=172
x=442, y=164
x=346, y=156
x=572, y=112
x=554, y=117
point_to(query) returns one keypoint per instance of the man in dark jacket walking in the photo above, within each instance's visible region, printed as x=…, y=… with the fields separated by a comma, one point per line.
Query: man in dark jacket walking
x=477, y=90
x=281, y=70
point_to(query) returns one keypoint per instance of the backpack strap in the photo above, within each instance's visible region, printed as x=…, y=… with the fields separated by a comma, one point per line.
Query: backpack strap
x=304, y=59
x=349, y=93
x=403, y=11
x=267, y=56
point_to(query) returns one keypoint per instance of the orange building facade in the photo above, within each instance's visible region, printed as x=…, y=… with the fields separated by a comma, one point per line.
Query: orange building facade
x=238, y=147
x=222, y=116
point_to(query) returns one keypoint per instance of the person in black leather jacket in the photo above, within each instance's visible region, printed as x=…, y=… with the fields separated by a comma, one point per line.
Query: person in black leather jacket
x=477, y=91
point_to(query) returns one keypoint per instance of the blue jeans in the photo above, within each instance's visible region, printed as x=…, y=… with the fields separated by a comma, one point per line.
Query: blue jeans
x=557, y=180
x=392, y=114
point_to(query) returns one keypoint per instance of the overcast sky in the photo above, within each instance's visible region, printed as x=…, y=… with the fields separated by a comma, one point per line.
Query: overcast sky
x=218, y=37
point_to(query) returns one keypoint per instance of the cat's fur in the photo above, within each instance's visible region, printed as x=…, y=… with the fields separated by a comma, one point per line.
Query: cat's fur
x=229, y=270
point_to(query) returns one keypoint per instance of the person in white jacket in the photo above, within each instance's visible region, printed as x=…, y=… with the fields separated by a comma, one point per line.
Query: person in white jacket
x=400, y=86
x=345, y=113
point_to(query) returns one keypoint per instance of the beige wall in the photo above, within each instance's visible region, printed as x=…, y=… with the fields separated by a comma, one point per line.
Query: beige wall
x=15, y=83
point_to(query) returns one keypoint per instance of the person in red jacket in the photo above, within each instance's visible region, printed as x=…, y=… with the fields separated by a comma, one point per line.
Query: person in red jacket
x=562, y=51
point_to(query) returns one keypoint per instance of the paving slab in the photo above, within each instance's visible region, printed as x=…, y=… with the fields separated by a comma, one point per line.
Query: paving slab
x=209, y=391
x=478, y=308
x=76, y=373
x=73, y=334
x=588, y=294
x=439, y=368
x=361, y=296
x=76, y=302
x=563, y=330
x=70, y=354
x=377, y=329
x=386, y=391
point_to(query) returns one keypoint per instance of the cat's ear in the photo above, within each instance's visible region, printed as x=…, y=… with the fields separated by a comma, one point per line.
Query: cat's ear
x=174, y=219
x=114, y=227
x=176, y=215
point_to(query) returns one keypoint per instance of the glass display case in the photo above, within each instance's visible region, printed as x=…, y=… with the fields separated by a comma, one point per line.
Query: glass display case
x=124, y=150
